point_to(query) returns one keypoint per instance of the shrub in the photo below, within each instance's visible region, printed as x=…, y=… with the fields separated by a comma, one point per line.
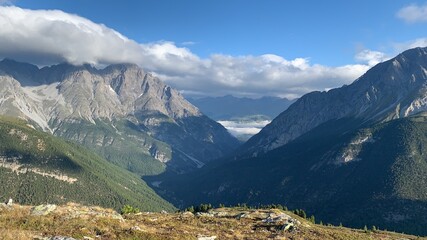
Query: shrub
x=190, y=209
x=126, y=209
x=300, y=213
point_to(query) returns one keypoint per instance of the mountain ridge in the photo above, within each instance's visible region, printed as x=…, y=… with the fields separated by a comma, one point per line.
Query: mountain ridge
x=37, y=167
x=229, y=107
x=361, y=99
x=356, y=154
x=61, y=97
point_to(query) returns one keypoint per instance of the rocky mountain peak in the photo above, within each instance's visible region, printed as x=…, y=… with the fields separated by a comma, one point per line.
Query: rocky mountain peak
x=62, y=98
x=23, y=71
x=393, y=89
x=89, y=93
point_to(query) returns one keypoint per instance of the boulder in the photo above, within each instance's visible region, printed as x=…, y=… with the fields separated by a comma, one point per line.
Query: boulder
x=187, y=214
x=61, y=238
x=242, y=215
x=278, y=218
x=287, y=226
x=42, y=210
x=286, y=222
x=204, y=214
x=206, y=238
x=220, y=213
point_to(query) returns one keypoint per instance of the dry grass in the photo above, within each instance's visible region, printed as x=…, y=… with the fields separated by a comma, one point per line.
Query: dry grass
x=79, y=221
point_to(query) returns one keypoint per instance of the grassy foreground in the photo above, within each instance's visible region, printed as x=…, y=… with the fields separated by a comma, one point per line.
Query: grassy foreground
x=83, y=222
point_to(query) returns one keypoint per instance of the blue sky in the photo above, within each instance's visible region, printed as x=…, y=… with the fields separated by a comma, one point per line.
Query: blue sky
x=230, y=39
x=329, y=32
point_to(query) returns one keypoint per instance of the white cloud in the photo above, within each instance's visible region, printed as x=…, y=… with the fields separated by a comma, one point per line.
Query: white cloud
x=248, y=128
x=413, y=13
x=46, y=36
x=261, y=75
x=244, y=124
x=371, y=57
x=419, y=42
x=51, y=36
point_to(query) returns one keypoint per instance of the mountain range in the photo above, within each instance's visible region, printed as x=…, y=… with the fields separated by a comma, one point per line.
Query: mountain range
x=114, y=120
x=390, y=90
x=229, y=107
x=128, y=116
x=243, y=117
x=354, y=155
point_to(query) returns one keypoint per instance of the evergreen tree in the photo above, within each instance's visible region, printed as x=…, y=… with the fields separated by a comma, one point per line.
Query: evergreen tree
x=190, y=209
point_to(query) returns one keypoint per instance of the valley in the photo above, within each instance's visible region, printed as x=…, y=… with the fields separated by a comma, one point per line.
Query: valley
x=358, y=161
x=243, y=117
x=200, y=120
x=355, y=166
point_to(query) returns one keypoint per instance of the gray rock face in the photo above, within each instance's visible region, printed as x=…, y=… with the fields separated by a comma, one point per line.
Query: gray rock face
x=116, y=91
x=206, y=237
x=61, y=99
x=15, y=102
x=392, y=89
x=42, y=210
x=61, y=238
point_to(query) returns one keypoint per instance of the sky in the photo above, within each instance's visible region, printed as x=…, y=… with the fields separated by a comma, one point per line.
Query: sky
x=214, y=48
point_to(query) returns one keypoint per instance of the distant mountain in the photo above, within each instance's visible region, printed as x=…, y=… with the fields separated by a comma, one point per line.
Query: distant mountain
x=243, y=117
x=355, y=154
x=126, y=115
x=36, y=168
x=229, y=107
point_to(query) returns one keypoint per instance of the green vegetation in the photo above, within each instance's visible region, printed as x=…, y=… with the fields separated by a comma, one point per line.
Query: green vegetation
x=71, y=173
x=200, y=208
x=384, y=184
x=300, y=213
x=312, y=219
x=127, y=209
x=125, y=145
